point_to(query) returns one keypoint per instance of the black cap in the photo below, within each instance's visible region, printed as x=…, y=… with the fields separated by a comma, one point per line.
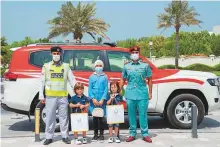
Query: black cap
x=56, y=49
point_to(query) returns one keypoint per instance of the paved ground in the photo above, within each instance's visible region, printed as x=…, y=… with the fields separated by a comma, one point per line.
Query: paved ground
x=17, y=130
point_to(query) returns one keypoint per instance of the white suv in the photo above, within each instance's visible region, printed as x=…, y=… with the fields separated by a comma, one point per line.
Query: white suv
x=174, y=91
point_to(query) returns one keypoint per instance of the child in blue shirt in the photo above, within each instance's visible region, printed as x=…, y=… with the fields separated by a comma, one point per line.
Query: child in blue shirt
x=79, y=103
x=113, y=99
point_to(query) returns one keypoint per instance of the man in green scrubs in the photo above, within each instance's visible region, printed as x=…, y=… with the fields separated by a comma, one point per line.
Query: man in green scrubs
x=136, y=72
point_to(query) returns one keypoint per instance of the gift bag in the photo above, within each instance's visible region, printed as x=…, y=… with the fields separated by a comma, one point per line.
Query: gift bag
x=79, y=122
x=115, y=114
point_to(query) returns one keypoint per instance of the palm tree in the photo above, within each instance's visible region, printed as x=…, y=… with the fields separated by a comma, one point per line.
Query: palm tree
x=177, y=14
x=78, y=21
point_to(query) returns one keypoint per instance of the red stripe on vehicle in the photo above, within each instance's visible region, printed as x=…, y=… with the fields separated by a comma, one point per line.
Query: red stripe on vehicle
x=85, y=82
x=163, y=73
x=178, y=80
x=25, y=76
x=81, y=79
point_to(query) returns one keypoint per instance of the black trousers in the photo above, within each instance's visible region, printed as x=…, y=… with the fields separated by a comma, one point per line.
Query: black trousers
x=98, y=124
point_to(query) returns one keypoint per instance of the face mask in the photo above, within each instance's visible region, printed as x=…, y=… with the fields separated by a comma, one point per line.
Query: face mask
x=134, y=56
x=98, y=70
x=56, y=58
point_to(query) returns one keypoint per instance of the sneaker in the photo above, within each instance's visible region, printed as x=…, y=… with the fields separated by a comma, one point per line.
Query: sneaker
x=110, y=140
x=101, y=138
x=78, y=142
x=95, y=138
x=117, y=140
x=84, y=140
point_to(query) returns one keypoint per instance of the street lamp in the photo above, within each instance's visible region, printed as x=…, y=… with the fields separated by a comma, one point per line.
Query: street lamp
x=150, y=44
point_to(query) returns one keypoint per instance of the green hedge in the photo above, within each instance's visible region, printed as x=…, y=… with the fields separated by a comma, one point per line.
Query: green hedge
x=169, y=66
x=217, y=73
x=199, y=67
x=217, y=67
x=196, y=67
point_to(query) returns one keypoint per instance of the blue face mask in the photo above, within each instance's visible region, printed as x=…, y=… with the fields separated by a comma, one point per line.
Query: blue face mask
x=98, y=70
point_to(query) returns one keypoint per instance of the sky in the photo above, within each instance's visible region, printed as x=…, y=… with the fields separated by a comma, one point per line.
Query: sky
x=127, y=19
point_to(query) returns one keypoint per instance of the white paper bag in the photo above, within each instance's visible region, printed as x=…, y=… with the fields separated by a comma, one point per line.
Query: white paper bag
x=79, y=122
x=115, y=114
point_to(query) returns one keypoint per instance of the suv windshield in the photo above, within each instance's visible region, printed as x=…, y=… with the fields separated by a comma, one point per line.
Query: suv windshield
x=81, y=59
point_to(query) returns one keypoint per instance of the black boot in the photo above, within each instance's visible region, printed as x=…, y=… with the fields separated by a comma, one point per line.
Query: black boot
x=101, y=122
x=101, y=138
x=95, y=127
x=66, y=141
x=95, y=137
x=48, y=141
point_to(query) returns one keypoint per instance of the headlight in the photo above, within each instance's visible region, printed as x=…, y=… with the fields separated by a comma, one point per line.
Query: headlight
x=213, y=82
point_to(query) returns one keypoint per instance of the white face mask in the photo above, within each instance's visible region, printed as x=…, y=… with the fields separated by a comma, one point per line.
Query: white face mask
x=56, y=58
x=134, y=56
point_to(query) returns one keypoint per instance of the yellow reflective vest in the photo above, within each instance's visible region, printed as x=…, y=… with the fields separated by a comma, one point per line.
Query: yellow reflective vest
x=56, y=79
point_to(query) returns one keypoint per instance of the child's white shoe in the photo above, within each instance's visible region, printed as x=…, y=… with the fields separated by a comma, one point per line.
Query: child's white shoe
x=117, y=140
x=110, y=140
x=84, y=141
x=78, y=142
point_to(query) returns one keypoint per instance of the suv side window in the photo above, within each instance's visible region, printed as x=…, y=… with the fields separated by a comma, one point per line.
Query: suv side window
x=82, y=60
x=117, y=60
x=38, y=58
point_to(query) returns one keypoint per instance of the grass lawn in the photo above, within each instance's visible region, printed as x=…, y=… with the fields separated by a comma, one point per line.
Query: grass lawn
x=217, y=73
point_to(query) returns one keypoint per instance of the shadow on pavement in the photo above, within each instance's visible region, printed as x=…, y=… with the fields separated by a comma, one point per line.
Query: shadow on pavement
x=209, y=123
x=153, y=122
x=24, y=125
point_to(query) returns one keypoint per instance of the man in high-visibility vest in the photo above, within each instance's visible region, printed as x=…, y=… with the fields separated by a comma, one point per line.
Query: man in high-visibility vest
x=55, y=76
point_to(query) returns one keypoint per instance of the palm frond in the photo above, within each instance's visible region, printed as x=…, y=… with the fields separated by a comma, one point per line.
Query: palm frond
x=178, y=13
x=92, y=35
x=164, y=21
x=77, y=20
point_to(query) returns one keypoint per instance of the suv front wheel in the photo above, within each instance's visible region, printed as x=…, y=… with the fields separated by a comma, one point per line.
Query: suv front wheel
x=179, y=110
